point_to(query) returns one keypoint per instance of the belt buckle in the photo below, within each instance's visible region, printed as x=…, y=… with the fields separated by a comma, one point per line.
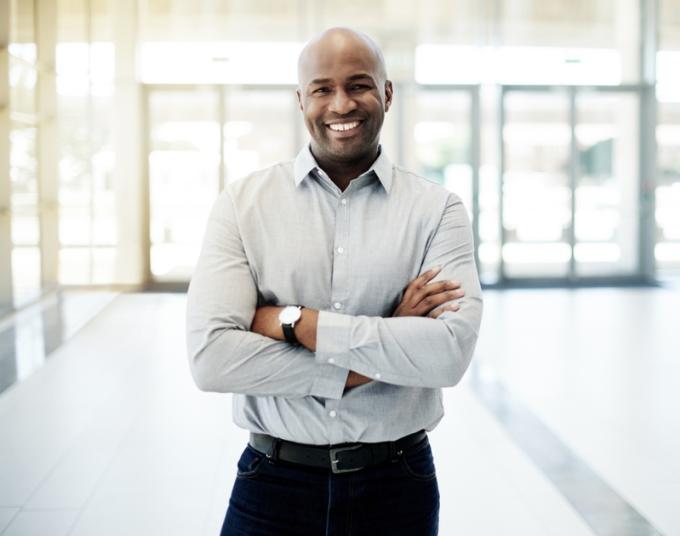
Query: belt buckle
x=335, y=461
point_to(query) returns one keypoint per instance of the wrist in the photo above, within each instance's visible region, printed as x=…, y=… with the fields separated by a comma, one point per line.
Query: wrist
x=305, y=329
x=289, y=317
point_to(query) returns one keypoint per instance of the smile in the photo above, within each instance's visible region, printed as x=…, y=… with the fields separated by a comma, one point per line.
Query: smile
x=344, y=127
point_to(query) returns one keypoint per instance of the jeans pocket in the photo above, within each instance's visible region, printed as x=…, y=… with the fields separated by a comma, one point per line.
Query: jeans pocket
x=418, y=463
x=250, y=463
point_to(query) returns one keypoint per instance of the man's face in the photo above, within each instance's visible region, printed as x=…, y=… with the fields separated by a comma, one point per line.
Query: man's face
x=343, y=100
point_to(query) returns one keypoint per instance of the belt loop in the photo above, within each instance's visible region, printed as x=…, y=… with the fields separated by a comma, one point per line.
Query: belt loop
x=273, y=453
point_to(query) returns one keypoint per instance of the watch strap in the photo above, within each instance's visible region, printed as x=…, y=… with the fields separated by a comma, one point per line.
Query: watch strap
x=289, y=334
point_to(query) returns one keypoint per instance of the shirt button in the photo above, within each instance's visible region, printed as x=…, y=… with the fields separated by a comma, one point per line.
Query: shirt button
x=332, y=413
x=341, y=249
x=343, y=201
x=331, y=360
x=337, y=305
x=377, y=375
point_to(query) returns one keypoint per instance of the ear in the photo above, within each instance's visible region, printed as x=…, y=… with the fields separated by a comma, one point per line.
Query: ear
x=389, y=91
x=299, y=98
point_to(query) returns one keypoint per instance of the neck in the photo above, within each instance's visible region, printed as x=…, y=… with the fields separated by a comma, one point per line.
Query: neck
x=342, y=173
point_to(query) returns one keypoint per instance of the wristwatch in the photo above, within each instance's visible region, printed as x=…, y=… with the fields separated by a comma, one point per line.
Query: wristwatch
x=288, y=317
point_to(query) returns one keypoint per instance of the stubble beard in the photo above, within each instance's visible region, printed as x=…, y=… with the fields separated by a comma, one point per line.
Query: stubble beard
x=349, y=151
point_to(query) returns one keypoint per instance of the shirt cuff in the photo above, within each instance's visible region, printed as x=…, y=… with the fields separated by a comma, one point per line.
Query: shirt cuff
x=332, y=337
x=330, y=382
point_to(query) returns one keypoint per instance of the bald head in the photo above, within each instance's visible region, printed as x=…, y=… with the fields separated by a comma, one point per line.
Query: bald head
x=338, y=42
x=343, y=94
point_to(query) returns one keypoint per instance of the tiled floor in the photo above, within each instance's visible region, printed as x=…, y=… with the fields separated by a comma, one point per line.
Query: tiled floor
x=109, y=436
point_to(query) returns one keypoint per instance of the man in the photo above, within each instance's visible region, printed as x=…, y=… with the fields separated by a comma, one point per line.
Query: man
x=338, y=393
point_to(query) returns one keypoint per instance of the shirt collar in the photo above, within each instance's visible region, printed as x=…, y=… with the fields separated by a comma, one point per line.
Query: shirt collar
x=305, y=163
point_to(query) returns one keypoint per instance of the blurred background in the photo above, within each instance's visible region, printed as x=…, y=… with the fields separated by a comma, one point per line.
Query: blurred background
x=556, y=121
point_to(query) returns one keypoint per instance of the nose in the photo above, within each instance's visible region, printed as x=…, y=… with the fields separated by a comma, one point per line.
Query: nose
x=342, y=103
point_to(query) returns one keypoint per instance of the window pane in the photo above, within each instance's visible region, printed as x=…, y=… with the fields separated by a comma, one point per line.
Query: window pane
x=24, y=210
x=259, y=129
x=25, y=274
x=537, y=199
x=22, y=22
x=75, y=266
x=22, y=81
x=668, y=189
x=667, y=250
x=183, y=177
x=607, y=188
x=441, y=140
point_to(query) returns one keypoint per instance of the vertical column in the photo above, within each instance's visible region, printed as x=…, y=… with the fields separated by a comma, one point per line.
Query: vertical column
x=649, y=39
x=47, y=147
x=475, y=150
x=6, y=301
x=501, y=179
x=222, y=118
x=132, y=256
x=573, y=182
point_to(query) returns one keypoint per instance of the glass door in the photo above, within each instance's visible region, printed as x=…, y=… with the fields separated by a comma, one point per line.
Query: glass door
x=606, y=200
x=259, y=128
x=535, y=178
x=183, y=174
x=570, y=167
x=443, y=143
x=26, y=275
x=201, y=138
x=667, y=251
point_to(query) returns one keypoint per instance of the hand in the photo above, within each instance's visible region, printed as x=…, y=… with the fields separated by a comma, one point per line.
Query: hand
x=354, y=379
x=423, y=299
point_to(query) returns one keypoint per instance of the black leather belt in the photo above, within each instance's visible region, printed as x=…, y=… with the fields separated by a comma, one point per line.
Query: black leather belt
x=342, y=458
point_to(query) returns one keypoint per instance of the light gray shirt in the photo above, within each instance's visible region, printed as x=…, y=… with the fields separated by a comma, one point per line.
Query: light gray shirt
x=288, y=235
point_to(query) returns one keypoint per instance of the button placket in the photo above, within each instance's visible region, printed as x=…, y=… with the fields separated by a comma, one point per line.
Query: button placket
x=340, y=281
x=333, y=420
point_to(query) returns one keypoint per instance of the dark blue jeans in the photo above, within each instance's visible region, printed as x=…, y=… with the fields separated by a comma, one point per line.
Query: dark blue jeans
x=280, y=499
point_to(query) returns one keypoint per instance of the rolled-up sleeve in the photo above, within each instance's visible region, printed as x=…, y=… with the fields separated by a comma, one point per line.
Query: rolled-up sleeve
x=224, y=356
x=415, y=351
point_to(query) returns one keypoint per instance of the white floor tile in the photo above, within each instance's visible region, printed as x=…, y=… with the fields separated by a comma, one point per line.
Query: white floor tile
x=42, y=523
x=47, y=412
x=6, y=516
x=599, y=367
x=487, y=485
x=112, y=424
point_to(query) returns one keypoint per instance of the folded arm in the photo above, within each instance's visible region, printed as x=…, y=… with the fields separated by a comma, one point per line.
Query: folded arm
x=414, y=350
x=421, y=298
x=423, y=344
x=224, y=355
x=233, y=349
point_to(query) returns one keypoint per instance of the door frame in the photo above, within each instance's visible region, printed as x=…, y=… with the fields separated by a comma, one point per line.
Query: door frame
x=221, y=115
x=644, y=273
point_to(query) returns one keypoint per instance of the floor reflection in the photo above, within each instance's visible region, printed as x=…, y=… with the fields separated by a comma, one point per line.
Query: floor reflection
x=30, y=336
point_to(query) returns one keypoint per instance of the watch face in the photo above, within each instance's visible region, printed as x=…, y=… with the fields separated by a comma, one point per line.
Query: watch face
x=289, y=315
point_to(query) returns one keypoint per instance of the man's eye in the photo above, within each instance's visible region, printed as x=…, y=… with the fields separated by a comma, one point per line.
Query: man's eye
x=321, y=90
x=358, y=87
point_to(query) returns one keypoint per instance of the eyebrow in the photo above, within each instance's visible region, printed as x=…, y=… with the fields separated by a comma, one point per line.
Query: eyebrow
x=359, y=76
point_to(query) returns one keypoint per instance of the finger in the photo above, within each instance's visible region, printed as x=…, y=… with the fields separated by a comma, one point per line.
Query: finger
x=440, y=294
x=430, y=303
x=420, y=281
x=425, y=277
x=441, y=310
x=434, y=288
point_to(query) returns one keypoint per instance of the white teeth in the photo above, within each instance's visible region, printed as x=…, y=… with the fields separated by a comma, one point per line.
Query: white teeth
x=340, y=127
